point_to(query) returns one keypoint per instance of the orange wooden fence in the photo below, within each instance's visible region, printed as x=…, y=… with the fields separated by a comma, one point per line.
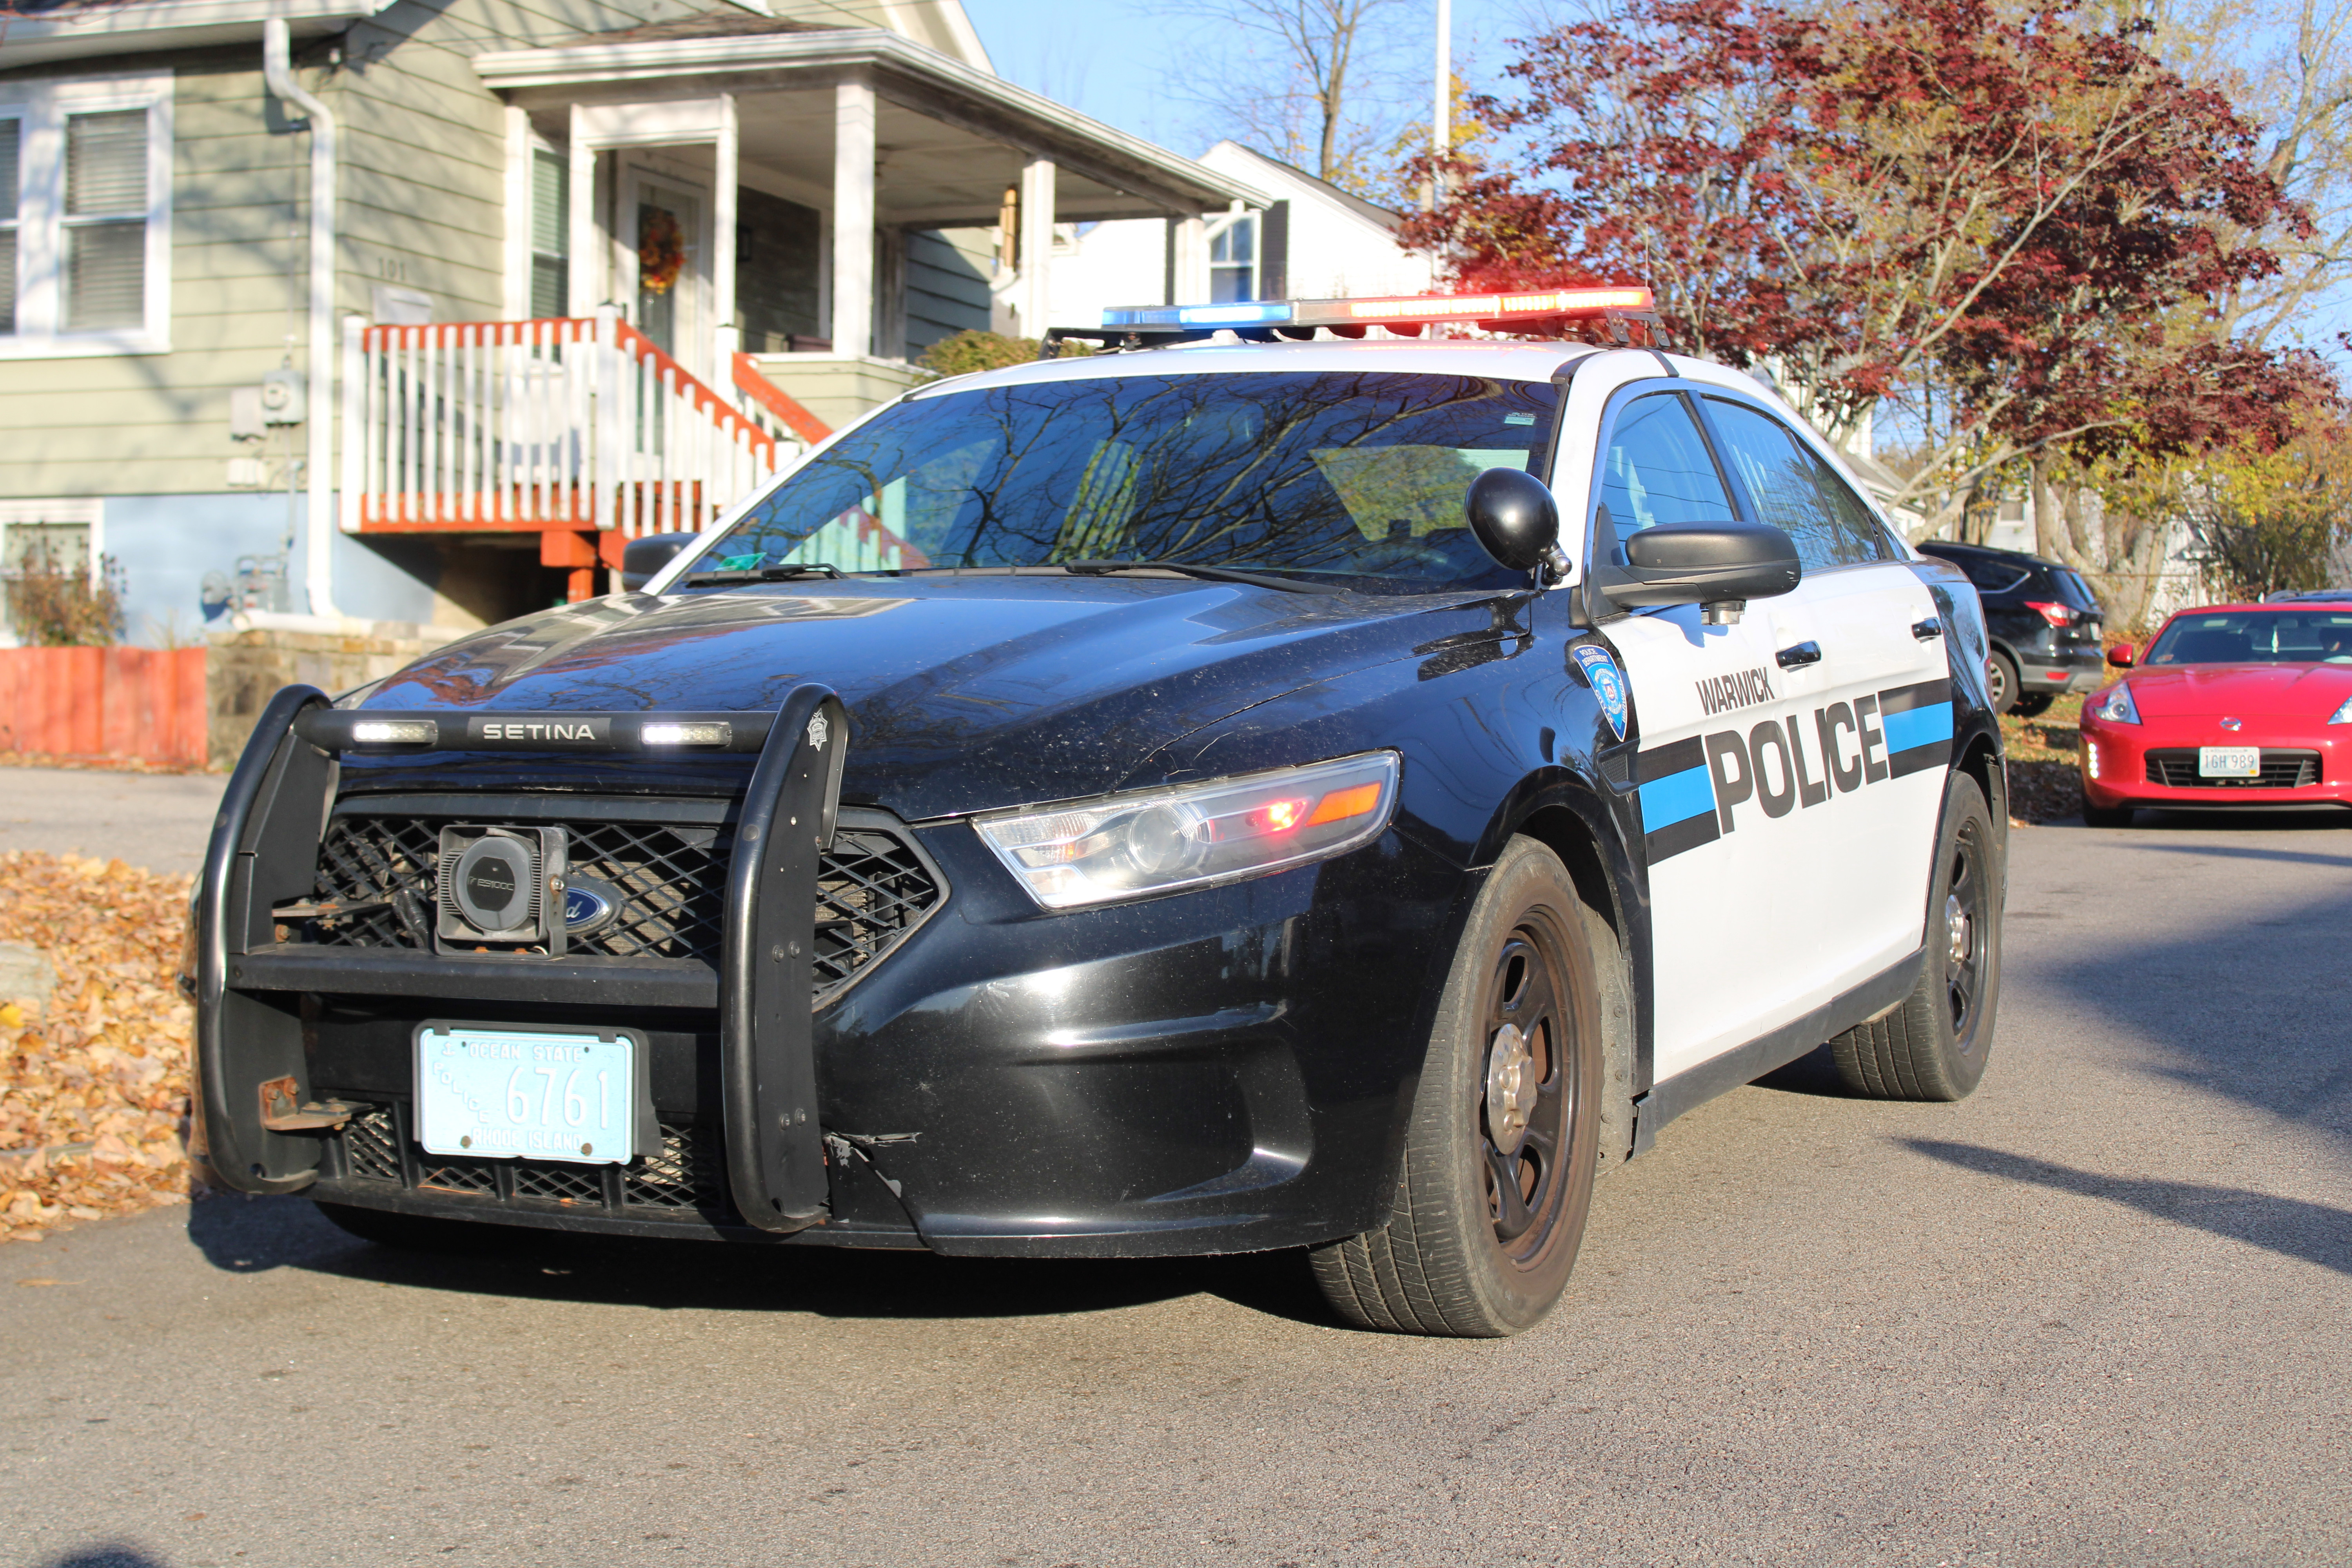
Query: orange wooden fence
x=104, y=702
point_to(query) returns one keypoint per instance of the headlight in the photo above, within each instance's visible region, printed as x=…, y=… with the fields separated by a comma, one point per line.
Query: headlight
x=2116, y=707
x=2342, y=715
x=1156, y=840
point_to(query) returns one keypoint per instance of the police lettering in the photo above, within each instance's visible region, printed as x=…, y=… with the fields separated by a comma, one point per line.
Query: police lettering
x=1850, y=751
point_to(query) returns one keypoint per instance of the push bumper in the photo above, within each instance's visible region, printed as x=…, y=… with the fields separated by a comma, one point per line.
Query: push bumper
x=1222, y=1071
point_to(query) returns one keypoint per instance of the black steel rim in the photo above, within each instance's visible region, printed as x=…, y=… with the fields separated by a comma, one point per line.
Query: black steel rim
x=1526, y=1187
x=1964, y=962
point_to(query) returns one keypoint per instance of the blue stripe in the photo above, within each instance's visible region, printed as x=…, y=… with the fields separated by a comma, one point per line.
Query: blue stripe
x=1677, y=797
x=1918, y=726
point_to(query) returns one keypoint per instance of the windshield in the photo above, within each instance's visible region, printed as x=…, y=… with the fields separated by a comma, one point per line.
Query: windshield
x=2257, y=636
x=1352, y=478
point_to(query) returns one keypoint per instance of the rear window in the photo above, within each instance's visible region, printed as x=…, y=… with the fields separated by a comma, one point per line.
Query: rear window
x=2077, y=593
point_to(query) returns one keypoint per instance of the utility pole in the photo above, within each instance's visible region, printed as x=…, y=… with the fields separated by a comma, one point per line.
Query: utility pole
x=1441, y=119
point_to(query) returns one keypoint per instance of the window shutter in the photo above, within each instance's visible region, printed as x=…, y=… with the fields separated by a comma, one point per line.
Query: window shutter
x=12, y=133
x=106, y=259
x=551, y=234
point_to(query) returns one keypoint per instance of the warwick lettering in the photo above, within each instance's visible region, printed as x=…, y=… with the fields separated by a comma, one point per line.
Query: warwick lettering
x=1740, y=689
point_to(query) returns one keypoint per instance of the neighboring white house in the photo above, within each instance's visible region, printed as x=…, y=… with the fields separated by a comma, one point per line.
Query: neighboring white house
x=1312, y=241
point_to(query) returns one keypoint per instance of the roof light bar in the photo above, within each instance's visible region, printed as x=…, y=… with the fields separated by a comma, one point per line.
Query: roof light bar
x=1407, y=310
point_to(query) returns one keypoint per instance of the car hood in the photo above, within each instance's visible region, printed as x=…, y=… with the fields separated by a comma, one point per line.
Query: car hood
x=2307, y=691
x=964, y=693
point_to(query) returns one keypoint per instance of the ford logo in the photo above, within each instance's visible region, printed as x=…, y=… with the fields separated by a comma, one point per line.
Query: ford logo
x=589, y=905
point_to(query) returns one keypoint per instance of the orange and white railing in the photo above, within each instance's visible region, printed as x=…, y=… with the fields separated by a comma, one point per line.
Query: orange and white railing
x=568, y=422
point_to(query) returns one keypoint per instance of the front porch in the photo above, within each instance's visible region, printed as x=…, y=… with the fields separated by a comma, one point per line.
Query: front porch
x=728, y=235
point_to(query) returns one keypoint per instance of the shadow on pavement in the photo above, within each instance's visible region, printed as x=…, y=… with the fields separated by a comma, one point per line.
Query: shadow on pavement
x=2294, y=1227
x=2247, y=852
x=106, y=1554
x=252, y=1237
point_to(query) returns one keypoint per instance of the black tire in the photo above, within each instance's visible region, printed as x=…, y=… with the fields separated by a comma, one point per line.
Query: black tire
x=419, y=1233
x=2106, y=815
x=1933, y=1046
x=2029, y=703
x=1500, y=1152
x=2001, y=682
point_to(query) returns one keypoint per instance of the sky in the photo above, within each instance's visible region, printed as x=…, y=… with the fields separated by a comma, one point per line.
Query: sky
x=1124, y=61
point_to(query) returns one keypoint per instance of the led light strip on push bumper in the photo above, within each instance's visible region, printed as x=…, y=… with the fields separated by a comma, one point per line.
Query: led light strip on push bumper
x=360, y=730
x=1407, y=313
x=1133, y=845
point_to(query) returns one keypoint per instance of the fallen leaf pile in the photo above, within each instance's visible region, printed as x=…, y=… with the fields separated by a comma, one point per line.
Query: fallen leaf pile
x=2044, y=780
x=94, y=1085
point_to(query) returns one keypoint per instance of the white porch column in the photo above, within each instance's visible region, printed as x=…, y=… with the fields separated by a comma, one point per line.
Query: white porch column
x=726, y=339
x=1192, y=267
x=1035, y=298
x=853, y=218
x=585, y=267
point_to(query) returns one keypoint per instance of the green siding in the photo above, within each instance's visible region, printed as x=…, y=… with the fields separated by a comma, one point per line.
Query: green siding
x=421, y=203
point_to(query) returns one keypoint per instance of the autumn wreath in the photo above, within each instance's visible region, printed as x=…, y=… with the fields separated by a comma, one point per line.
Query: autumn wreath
x=661, y=249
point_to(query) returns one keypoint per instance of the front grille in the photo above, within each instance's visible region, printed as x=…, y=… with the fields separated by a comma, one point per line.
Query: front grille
x=873, y=888
x=686, y=1180
x=2175, y=767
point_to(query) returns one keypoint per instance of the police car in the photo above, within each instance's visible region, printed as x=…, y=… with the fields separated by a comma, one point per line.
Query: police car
x=1271, y=784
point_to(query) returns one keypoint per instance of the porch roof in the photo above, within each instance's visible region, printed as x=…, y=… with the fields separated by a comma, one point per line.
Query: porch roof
x=949, y=138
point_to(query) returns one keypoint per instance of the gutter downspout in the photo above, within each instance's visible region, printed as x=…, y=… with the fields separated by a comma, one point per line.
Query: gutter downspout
x=277, y=72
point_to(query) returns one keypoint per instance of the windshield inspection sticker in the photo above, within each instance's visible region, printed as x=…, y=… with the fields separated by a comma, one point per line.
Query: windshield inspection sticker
x=1608, y=683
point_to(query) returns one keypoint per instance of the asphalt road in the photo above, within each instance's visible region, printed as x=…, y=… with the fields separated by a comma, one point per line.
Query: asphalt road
x=2096, y=1314
x=161, y=821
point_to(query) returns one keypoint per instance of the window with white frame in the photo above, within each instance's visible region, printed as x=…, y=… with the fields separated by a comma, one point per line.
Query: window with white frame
x=85, y=216
x=1233, y=261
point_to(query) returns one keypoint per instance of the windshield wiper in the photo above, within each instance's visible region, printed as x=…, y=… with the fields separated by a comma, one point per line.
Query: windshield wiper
x=784, y=573
x=1213, y=573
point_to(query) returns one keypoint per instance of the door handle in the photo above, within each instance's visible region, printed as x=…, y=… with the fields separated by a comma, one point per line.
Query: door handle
x=1804, y=653
x=1928, y=630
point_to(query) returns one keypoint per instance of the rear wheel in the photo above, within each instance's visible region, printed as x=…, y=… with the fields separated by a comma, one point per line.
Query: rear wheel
x=1933, y=1046
x=1500, y=1154
x=2001, y=682
x=2106, y=815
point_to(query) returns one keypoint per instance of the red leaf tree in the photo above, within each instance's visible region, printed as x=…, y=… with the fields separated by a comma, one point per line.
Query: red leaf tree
x=1994, y=233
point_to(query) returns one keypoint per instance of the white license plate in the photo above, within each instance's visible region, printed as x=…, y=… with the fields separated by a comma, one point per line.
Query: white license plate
x=2230, y=761
x=533, y=1094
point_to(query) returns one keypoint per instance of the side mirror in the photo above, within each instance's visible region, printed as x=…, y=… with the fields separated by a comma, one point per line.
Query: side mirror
x=2121, y=656
x=641, y=558
x=1515, y=520
x=1719, y=566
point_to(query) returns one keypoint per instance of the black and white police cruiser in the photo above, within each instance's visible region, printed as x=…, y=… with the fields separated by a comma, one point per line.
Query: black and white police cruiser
x=1271, y=784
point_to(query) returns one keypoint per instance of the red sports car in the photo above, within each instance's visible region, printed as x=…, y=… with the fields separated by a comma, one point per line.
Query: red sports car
x=2234, y=705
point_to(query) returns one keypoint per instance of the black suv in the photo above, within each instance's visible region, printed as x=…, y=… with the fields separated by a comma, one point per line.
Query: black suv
x=2045, y=624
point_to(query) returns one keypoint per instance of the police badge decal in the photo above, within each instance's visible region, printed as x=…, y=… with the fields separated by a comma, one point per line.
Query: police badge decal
x=1608, y=682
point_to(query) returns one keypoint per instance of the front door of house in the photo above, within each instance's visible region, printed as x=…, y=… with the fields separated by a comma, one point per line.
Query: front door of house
x=665, y=222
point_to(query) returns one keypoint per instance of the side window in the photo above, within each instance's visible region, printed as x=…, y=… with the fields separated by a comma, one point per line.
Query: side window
x=1656, y=469
x=1795, y=492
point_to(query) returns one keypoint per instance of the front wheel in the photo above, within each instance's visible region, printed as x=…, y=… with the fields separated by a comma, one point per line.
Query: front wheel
x=1933, y=1046
x=1500, y=1153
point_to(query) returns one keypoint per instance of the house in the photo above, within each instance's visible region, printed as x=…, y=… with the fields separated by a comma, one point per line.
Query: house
x=324, y=312
x=1305, y=240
